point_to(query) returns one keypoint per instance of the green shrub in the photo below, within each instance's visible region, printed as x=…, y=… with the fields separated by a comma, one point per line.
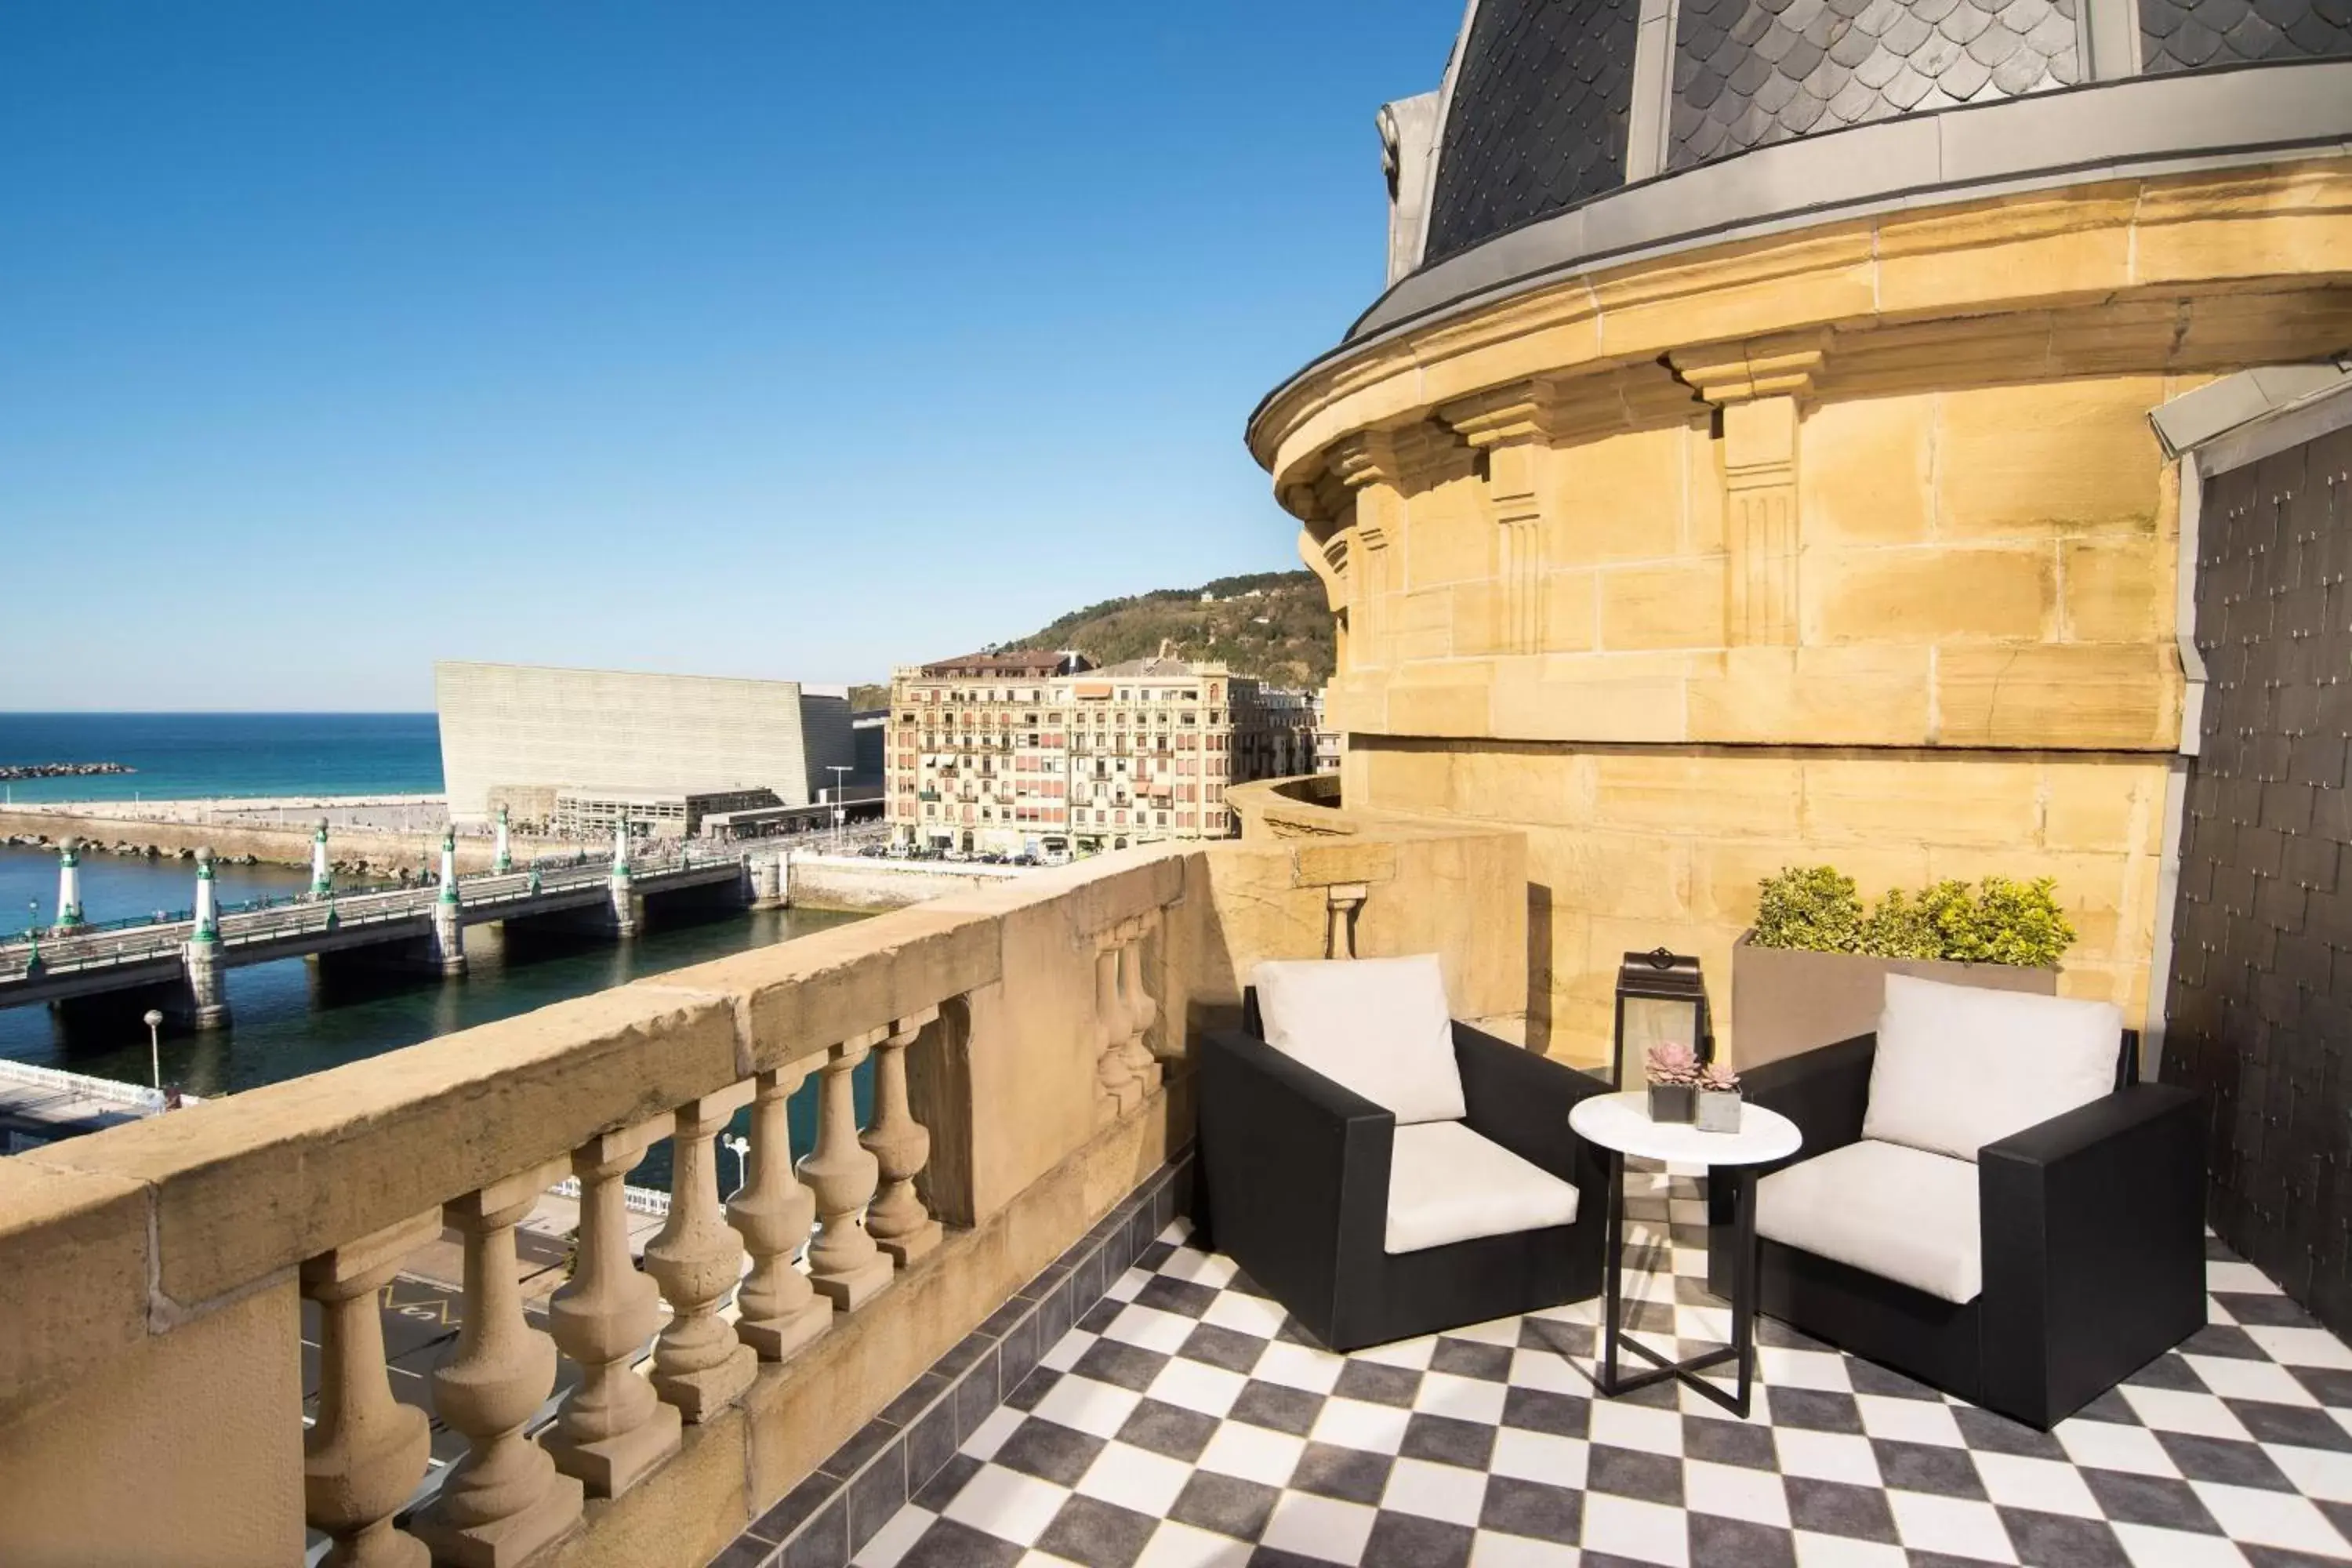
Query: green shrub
x=1999, y=921
x=1812, y=907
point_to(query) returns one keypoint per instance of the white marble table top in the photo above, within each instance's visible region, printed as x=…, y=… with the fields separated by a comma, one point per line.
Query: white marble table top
x=1622, y=1122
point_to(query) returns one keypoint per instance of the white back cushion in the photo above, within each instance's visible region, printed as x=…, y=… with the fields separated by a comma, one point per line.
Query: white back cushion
x=1447, y=1184
x=1376, y=1026
x=1958, y=1068
x=1900, y=1213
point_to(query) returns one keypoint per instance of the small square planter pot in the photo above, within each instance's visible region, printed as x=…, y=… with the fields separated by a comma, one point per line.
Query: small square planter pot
x=1719, y=1111
x=1672, y=1102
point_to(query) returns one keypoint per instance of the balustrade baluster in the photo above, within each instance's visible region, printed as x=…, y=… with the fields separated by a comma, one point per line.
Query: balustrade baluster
x=1141, y=1010
x=1113, y=1075
x=897, y=1221
x=365, y=1454
x=505, y=1500
x=845, y=1265
x=699, y=1366
x=614, y=1428
x=779, y=1310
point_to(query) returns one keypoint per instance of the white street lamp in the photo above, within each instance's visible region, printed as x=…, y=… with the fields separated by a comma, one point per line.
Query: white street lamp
x=154, y=1022
x=742, y=1148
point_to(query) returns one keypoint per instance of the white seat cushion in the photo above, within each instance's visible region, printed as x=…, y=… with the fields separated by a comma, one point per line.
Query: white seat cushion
x=1376, y=1026
x=1446, y=1184
x=1901, y=1214
x=1958, y=1068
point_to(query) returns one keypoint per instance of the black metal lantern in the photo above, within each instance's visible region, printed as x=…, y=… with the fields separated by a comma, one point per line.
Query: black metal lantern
x=1661, y=1000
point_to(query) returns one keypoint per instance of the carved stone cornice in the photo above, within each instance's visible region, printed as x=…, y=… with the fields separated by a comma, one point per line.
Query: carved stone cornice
x=1786, y=365
x=1407, y=458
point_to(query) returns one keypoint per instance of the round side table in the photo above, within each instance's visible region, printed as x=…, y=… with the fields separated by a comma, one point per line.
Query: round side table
x=1620, y=1124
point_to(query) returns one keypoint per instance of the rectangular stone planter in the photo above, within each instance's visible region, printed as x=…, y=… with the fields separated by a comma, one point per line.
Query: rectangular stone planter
x=1784, y=1001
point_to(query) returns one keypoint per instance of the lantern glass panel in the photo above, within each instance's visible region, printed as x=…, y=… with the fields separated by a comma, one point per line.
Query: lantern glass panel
x=1650, y=1021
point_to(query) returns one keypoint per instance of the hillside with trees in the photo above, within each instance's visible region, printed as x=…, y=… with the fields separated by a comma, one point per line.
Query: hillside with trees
x=1272, y=624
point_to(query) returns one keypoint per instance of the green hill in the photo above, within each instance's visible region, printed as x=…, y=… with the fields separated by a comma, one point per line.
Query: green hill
x=1272, y=624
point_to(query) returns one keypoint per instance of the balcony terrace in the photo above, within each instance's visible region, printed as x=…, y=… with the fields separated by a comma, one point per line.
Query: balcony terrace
x=1020, y=1355
x=1027, y=1045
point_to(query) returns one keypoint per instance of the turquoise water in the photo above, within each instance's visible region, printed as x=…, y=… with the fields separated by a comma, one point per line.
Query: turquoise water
x=211, y=755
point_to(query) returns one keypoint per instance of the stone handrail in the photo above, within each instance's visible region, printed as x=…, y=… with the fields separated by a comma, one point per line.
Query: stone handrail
x=151, y=1275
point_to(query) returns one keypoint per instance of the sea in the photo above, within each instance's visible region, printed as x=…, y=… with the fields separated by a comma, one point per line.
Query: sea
x=208, y=756
x=289, y=1017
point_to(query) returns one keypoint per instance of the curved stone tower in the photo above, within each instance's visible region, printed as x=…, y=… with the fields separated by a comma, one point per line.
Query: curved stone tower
x=1749, y=463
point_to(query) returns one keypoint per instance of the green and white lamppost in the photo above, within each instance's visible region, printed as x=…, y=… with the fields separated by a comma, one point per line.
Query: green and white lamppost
x=504, y=862
x=322, y=881
x=207, y=988
x=448, y=918
x=69, y=885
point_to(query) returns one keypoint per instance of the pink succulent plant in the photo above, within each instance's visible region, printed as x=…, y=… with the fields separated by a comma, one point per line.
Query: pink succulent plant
x=1717, y=1078
x=1672, y=1065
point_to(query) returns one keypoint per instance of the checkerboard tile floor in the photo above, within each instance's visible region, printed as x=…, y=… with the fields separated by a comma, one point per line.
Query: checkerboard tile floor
x=1186, y=1423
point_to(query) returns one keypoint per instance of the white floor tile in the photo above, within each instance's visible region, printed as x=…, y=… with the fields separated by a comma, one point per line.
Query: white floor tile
x=1551, y=1371
x=1196, y=1385
x=1959, y=1527
x=1126, y=1286
x=1803, y=1369
x=1253, y=1453
x=2111, y=1446
x=1492, y=1549
x=2302, y=1347
x=1644, y=1531
x=2239, y=1279
x=1735, y=1491
x=1435, y=1491
x=1248, y=1315
x=1151, y=1328
x=1211, y=1268
x=2322, y=1473
x=1464, y=1398
x=2045, y=1485
x=2235, y=1377
x=2149, y=1547
x=1101, y=1408
x=1136, y=1477
x=1622, y=1425
x=1842, y=1551
x=1175, y=1545
x=1299, y=1366
x=1320, y=1527
x=2176, y=1410
x=1008, y=1504
x=1827, y=1456
x=1909, y=1420
x=1543, y=1457
x=1411, y=1354
x=1065, y=1350
x=1354, y=1424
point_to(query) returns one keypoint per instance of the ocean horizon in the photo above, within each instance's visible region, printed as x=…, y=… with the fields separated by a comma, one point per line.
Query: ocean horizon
x=210, y=756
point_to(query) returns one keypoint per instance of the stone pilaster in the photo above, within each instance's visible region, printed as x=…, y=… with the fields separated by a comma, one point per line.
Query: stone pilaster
x=1756, y=386
x=1512, y=429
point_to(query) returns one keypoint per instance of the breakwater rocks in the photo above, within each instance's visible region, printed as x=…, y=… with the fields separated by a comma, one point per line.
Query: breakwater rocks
x=12, y=771
x=125, y=847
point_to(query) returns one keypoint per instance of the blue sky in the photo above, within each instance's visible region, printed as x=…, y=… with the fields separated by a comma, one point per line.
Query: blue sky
x=747, y=339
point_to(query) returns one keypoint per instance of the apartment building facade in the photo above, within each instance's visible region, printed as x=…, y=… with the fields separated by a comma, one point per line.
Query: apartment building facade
x=1044, y=753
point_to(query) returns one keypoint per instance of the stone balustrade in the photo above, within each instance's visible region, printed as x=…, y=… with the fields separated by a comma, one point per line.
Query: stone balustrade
x=1024, y=1041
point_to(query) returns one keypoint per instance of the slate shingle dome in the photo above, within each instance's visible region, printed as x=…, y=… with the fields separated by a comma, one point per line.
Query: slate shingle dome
x=1540, y=101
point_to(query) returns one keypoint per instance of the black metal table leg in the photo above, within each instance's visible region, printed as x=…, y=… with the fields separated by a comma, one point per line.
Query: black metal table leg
x=1612, y=1239
x=1742, y=1350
